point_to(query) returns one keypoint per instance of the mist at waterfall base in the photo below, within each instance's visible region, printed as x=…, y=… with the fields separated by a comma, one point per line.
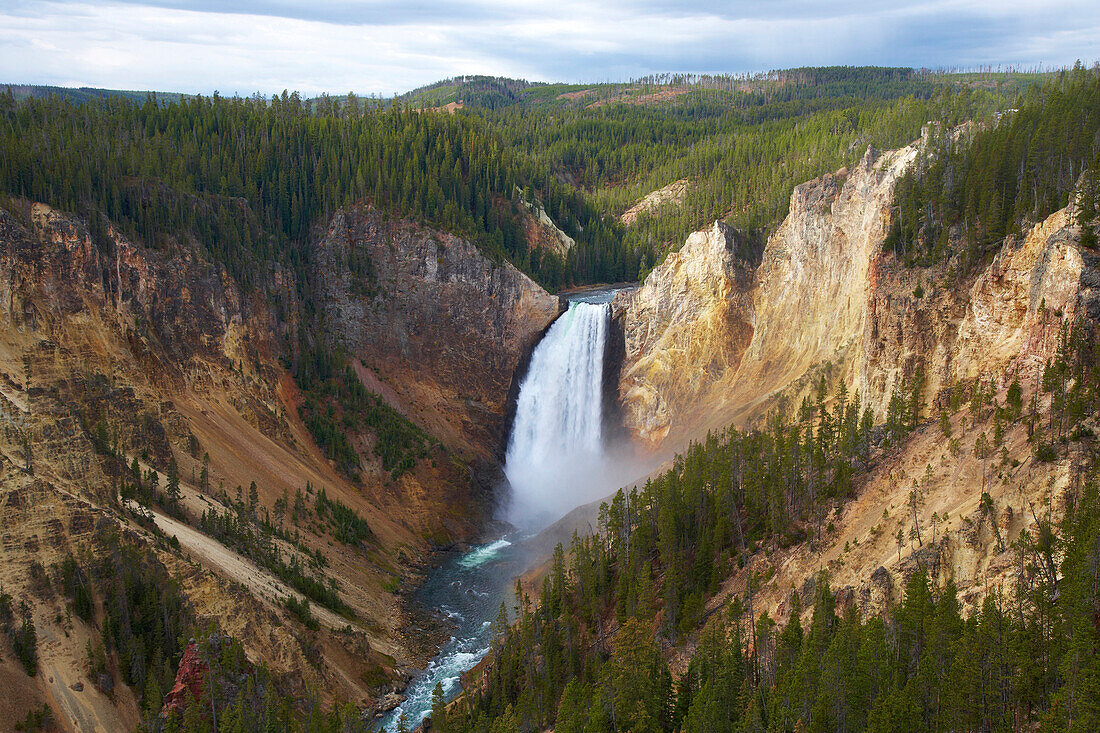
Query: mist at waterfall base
x=558, y=455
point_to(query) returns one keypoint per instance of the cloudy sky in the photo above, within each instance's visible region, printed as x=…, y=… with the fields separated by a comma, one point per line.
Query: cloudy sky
x=387, y=46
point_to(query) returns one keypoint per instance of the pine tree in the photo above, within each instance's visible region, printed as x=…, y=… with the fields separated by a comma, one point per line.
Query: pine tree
x=172, y=488
x=629, y=677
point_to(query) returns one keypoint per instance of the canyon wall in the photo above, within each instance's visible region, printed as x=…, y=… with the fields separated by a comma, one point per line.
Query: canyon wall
x=708, y=344
x=442, y=327
x=112, y=353
x=713, y=342
x=827, y=302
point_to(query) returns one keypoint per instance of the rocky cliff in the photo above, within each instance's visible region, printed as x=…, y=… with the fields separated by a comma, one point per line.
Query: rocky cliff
x=827, y=301
x=115, y=333
x=693, y=310
x=737, y=339
x=810, y=296
x=442, y=327
x=1005, y=323
x=113, y=354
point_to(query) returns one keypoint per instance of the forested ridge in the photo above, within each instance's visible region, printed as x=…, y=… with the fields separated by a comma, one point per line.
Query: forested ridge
x=248, y=178
x=985, y=183
x=741, y=142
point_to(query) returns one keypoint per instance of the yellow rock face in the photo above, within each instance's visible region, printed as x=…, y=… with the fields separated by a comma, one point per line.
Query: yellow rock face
x=708, y=345
x=1007, y=320
x=685, y=329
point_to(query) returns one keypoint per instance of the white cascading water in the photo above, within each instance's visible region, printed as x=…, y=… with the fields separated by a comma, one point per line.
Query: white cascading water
x=555, y=456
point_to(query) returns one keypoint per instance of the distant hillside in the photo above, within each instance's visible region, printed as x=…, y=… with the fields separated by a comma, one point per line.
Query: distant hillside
x=687, y=90
x=86, y=94
x=491, y=92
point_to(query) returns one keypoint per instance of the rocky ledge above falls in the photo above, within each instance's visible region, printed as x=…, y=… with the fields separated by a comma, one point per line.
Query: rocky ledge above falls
x=438, y=324
x=686, y=326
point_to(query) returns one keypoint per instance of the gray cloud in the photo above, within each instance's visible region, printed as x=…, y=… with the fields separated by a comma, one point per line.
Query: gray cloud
x=386, y=45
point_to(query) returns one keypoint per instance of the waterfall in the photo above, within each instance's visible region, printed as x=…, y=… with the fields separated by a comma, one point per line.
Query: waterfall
x=555, y=452
x=557, y=458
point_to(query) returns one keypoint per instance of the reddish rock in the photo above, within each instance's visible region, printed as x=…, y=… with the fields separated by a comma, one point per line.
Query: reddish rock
x=189, y=679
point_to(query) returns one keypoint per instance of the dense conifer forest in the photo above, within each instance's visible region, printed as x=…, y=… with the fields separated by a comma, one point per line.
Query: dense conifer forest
x=247, y=178
x=741, y=153
x=988, y=182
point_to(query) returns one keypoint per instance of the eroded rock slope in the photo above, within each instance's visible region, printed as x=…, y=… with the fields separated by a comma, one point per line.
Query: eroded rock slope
x=827, y=302
x=437, y=322
x=113, y=354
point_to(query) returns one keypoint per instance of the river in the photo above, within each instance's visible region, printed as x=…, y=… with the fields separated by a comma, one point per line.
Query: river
x=466, y=588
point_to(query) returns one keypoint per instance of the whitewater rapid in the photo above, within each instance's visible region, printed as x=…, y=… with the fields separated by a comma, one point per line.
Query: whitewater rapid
x=468, y=590
x=556, y=450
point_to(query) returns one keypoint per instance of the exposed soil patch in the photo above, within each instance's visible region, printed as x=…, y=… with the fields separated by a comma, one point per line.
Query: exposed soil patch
x=673, y=193
x=665, y=95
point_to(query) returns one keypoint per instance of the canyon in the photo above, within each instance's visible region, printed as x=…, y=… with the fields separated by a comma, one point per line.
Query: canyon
x=177, y=361
x=172, y=359
x=710, y=342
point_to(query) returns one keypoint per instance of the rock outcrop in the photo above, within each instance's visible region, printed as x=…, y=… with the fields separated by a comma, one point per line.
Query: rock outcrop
x=189, y=682
x=1008, y=317
x=1005, y=324
x=692, y=310
x=543, y=233
x=737, y=340
x=673, y=194
x=437, y=322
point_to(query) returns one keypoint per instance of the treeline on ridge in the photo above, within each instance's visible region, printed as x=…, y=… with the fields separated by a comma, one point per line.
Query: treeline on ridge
x=247, y=178
x=991, y=181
